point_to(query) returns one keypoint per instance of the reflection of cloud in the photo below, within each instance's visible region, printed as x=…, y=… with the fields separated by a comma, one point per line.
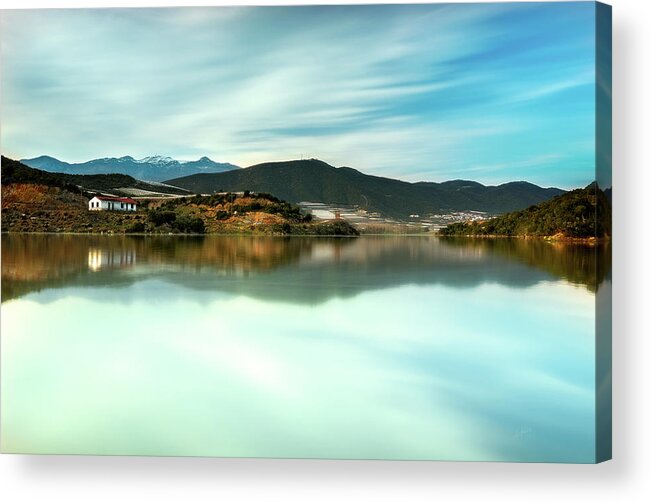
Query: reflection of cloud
x=404, y=373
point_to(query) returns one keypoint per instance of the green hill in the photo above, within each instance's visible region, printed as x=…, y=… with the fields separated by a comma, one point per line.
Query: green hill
x=317, y=181
x=581, y=213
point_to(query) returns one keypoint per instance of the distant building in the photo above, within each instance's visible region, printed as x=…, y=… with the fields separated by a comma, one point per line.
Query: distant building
x=99, y=203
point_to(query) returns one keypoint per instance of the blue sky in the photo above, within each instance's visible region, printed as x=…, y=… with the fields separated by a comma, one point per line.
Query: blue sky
x=488, y=92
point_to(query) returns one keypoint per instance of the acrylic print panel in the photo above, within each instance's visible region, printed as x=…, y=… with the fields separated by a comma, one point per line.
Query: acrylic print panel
x=368, y=232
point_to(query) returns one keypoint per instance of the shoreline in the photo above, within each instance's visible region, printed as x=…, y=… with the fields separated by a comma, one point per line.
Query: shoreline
x=153, y=234
x=550, y=239
x=592, y=240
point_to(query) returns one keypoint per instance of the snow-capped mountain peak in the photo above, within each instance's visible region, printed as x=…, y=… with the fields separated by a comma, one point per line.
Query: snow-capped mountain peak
x=201, y=160
x=154, y=167
x=157, y=159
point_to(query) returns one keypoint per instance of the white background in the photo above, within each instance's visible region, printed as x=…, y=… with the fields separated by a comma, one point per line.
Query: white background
x=627, y=478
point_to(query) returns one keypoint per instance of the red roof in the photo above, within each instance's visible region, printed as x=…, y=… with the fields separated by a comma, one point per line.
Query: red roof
x=118, y=199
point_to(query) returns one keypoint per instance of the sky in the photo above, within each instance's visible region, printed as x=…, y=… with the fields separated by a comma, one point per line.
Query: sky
x=487, y=92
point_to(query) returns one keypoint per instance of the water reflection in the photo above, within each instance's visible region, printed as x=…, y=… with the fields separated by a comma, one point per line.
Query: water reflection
x=578, y=263
x=101, y=258
x=301, y=270
x=394, y=348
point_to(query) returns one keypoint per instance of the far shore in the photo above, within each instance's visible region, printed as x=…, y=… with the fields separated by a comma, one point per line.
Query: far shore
x=591, y=240
x=552, y=239
x=172, y=234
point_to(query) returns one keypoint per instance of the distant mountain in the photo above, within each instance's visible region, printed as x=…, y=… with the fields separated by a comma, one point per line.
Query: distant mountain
x=315, y=181
x=153, y=168
x=580, y=213
x=115, y=183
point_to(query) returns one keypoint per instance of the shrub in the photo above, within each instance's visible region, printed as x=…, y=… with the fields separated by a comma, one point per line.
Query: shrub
x=283, y=228
x=137, y=227
x=160, y=217
x=189, y=224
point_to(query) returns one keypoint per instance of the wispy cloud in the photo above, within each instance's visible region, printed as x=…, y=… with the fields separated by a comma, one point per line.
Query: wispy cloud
x=416, y=92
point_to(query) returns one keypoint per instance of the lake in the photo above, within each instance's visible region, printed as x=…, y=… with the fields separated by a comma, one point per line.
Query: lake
x=371, y=347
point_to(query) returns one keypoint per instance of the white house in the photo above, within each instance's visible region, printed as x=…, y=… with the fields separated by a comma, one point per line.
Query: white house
x=99, y=203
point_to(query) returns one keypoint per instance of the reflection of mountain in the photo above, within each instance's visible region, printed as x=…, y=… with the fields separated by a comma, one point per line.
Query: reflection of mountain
x=300, y=270
x=585, y=265
x=32, y=262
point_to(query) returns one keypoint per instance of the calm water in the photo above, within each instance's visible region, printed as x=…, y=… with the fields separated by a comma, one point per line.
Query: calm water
x=395, y=348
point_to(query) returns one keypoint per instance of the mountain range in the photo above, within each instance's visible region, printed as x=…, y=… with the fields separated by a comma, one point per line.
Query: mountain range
x=113, y=183
x=316, y=181
x=153, y=168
